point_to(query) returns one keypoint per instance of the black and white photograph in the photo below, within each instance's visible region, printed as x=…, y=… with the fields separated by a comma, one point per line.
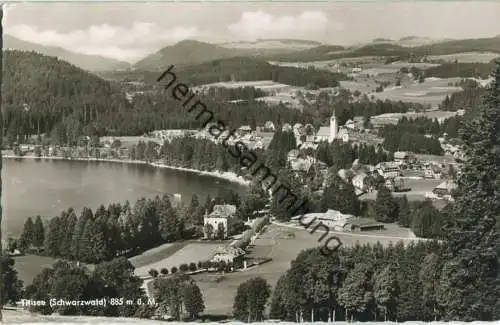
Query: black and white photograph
x=250, y=162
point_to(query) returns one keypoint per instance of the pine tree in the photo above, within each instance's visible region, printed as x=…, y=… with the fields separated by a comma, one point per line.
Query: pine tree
x=385, y=209
x=469, y=287
x=193, y=300
x=27, y=235
x=39, y=233
x=53, y=235
x=386, y=290
x=404, y=218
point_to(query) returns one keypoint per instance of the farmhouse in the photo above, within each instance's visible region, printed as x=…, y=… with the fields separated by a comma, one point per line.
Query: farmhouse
x=220, y=215
x=444, y=189
x=404, y=157
x=269, y=126
x=388, y=170
x=230, y=255
x=359, y=181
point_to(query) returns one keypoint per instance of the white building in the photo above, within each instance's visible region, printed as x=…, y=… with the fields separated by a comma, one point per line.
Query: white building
x=229, y=255
x=302, y=164
x=442, y=191
x=269, y=126
x=332, y=132
x=286, y=127
x=388, y=170
x=404, y=157
x=358, y=181
x=220, y=215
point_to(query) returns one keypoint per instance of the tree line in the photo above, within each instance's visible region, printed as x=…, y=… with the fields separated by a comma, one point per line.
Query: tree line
x=239, y=93
x=460, y=69
x=419, y=135
x=120, y=230
x=244, y=69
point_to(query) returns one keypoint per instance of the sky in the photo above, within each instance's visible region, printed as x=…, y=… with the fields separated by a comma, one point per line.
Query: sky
x=130, y=31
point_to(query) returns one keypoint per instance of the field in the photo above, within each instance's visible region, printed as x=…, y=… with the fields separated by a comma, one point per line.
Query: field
x=393, y=118
x=219, y=290
x=418, y=189
x=432, y=92
x=29, y=266
x=173, y=255
x=467, y=57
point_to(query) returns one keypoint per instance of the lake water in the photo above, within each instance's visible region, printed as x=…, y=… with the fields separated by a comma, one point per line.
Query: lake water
x=46, y=187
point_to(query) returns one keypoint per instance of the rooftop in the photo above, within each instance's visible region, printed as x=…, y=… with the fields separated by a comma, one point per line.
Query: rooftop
x=223, y=211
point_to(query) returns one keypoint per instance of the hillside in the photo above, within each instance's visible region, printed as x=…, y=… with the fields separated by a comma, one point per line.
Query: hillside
x=185, y=52
x=251, y=69
x=491, y=44
x=86, y=62
x=193, y=52
x=402, y=48
x=40, y=91
x=282, y=45
x=317, y=53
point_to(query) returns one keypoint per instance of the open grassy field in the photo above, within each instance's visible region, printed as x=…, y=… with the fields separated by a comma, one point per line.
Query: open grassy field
x=219, y=290
x=467, y=57
x=393, y=118
x=174, y=255
x=432, y=92
x=29, y=266
x=156, y=254
x=418, y=189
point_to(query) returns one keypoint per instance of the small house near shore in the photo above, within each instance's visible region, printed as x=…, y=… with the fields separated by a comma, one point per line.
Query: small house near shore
x=229, y=255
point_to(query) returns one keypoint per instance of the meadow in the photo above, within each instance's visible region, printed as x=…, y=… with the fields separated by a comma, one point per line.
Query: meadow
x=277, y=243
x=467, y=57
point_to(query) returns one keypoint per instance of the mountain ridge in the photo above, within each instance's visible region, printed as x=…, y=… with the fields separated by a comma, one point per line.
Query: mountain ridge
x=93, y=63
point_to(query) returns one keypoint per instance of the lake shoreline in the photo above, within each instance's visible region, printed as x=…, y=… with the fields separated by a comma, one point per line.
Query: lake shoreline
x=228, y=176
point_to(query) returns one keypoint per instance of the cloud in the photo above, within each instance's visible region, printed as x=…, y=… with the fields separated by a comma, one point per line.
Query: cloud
x=259, y=24
x=112, y=41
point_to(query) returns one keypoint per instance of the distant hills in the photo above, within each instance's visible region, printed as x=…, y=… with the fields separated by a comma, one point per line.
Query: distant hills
x=408, y=41
x=282, y=45
x=87, y=62
x=390, y=48
x=186, y=52
x=193, y=52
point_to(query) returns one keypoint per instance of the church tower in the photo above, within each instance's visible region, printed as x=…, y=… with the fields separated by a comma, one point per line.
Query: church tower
x=333, y=128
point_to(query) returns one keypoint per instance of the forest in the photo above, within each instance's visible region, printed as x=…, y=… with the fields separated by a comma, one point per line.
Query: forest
x=419, y=135
x=120, y=229
x=245, y=69
x=44, y=95
x=460, y=69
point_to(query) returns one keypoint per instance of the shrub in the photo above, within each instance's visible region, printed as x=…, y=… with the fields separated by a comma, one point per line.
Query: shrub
x=173, y=270
x=205, y=264
x=184, y=267
x=221, y=266
x=164, y=271
x=153, y=273
x=200, y=265
x=192, y=266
